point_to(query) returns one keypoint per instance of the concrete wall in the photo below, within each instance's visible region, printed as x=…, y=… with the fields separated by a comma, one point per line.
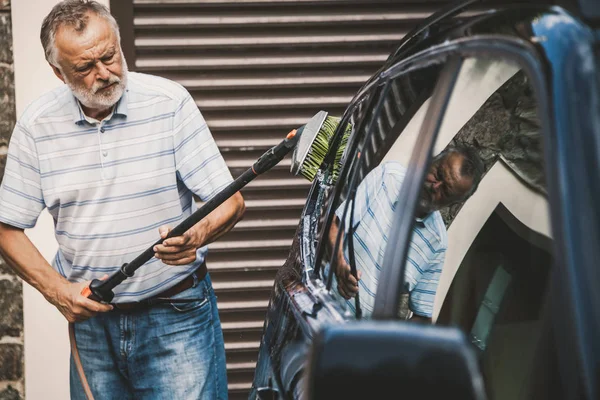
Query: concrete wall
x=11, y=300
x=46, y=350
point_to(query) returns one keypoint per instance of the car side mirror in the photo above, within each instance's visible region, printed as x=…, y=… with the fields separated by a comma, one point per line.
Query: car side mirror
x=379, y=359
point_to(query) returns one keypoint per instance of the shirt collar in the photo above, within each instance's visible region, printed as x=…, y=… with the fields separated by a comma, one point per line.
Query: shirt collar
x=119, y=109
x=78, y=115
x=428, y=220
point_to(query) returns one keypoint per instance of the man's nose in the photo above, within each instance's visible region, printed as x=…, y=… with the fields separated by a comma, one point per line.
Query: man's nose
x=102, y=72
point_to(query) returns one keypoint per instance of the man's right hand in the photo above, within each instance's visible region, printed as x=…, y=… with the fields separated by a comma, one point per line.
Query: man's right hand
x=347, y=283
x=73, y=305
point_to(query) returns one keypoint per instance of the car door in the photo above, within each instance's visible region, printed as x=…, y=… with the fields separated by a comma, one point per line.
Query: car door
x=507, y=277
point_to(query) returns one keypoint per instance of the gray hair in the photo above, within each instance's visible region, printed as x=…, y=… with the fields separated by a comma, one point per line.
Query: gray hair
x=73, y=13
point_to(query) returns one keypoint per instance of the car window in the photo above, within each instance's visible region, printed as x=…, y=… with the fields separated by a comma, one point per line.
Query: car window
x=480, y=255
x=395, y=111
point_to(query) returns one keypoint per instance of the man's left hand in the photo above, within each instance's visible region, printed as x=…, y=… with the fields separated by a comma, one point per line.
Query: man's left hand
x=179, y=250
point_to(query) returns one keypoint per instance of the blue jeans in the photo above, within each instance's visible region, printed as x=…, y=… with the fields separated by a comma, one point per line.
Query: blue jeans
x=169, y=351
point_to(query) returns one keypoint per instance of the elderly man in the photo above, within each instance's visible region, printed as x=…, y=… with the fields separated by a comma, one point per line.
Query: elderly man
x=116, y=158
x=453, y=176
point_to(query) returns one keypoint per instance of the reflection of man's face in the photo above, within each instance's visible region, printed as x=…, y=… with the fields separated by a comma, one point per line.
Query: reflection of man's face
x=444, y=184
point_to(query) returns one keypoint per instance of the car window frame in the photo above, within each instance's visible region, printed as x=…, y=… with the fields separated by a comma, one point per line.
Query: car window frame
x=514, y=50
x=462, y=47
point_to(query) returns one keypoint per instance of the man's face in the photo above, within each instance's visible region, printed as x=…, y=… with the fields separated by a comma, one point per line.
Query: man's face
x=444, y=184
x=91, y=63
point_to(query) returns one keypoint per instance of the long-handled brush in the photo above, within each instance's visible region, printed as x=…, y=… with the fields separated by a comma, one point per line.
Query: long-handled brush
x=310, y=140
x=310, y=143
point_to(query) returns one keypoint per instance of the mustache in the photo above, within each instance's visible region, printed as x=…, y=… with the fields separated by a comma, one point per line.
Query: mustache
x=111, y=80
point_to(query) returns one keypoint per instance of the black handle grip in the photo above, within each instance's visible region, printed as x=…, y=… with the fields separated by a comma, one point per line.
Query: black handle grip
x=276, y=153
x=100, y=292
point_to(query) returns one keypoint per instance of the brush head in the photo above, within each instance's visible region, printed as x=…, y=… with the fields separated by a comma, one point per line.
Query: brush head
x=314, y=143
x=308, y=133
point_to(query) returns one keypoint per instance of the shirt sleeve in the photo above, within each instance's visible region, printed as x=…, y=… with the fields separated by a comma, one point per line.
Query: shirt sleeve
x=199, y=163
x=21, y=197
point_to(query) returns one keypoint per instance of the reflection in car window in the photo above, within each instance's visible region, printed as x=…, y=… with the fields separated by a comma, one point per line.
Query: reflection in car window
x=400, y=112
x=495, y=271
x=511, y=111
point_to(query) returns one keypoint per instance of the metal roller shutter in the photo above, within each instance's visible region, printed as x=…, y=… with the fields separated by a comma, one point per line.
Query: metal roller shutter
x=257, y=69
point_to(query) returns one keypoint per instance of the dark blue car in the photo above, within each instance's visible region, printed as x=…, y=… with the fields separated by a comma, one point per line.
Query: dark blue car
x=498, y=295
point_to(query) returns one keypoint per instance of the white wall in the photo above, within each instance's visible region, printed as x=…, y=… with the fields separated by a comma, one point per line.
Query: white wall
x=46, y=337
x=498, y=186
x=477, y=80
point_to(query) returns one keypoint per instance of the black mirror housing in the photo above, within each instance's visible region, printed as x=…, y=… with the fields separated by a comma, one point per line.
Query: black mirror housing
x=383, y=359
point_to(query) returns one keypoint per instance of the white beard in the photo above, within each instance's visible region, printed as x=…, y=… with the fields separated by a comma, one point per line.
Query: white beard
x=105, y=99
x=424, y=206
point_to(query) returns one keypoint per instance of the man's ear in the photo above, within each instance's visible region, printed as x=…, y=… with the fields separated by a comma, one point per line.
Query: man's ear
x=57, y=72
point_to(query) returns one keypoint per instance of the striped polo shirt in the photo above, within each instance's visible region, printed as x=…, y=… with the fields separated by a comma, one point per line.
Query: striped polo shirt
x=376, y=199
x=109, y=185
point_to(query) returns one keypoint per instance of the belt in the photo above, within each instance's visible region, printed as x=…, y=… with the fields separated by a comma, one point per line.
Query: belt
x=164, y=297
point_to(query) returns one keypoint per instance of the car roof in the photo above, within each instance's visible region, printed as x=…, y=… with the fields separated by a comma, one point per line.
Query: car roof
x=470, y=19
